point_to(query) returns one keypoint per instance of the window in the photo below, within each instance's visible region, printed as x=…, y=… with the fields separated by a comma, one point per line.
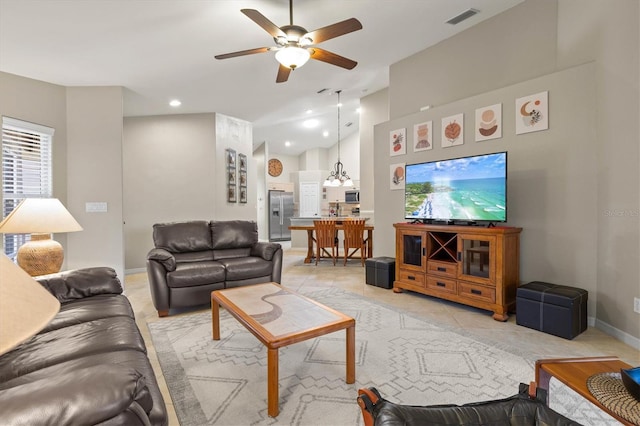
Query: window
x=26, y=170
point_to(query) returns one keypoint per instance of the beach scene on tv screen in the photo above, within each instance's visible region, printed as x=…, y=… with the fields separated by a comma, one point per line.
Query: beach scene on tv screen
x=470, y=188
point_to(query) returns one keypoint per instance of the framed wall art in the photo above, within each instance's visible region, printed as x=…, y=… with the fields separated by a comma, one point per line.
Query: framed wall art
x=532, y=113
x=423, y=136
x=488, y=123
x=230, y=155
x=398, y=142
x=453, y=130
x=242, y=160
x=243, y=194
x=396, y=173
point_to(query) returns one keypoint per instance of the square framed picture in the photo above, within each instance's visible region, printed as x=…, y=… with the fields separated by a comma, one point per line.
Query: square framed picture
x=532, y=113
x=398, y=142
x=488, y=123
x=231, y=176
x=243, y=178
x=243, y=194
x=453, y=130
x=231, y=157
x=242, y=160
x=231, y=193
x=423, y=136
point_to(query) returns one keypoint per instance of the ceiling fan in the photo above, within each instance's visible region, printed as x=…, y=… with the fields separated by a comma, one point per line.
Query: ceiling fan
x=295, y=45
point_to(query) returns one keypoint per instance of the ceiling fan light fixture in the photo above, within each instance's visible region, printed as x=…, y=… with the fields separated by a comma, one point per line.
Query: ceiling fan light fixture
x=293, y=57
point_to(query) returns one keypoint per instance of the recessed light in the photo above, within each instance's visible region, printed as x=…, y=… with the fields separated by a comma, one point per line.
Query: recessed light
x=175, y=103
x=325, y=133
x=287, y=143
x=358, y=110
x=309, y=111
x=311, y=123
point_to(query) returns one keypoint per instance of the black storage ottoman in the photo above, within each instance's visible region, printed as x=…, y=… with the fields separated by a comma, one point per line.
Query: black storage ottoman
x=551, y=308
x=380, y=271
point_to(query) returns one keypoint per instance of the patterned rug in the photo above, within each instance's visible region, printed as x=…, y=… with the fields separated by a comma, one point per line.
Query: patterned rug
x=409, y=360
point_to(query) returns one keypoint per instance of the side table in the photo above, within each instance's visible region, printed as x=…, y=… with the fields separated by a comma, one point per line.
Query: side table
x=574, y=372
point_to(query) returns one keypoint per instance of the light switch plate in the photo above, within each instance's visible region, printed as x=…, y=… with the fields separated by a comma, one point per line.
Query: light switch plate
x=96, y=207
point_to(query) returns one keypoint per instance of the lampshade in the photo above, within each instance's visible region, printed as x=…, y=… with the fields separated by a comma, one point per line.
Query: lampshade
x=25, y=306
x=293, y=57
x=39, y=216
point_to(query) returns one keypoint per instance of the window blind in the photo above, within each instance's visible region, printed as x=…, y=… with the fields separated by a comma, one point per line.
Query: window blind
x=26, y=170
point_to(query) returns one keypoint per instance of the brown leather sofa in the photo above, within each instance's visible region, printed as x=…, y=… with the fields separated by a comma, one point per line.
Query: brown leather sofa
x=88, y=366
x=191, y=259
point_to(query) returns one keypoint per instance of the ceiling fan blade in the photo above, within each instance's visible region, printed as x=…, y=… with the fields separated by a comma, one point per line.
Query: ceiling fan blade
x=335, y=30
x=243, y=52
x=283, y=74
x=331, y=58
x=265, y=23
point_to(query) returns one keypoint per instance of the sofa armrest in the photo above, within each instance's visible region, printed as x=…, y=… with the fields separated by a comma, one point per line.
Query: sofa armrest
x=84, y=397
x=265, y=250
x=164, y=257
x=81, y=283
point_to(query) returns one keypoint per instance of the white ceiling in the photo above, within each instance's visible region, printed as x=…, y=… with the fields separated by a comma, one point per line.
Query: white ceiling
x=164, y=49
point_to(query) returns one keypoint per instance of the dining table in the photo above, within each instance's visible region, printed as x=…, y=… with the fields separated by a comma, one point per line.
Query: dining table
x=339, y=226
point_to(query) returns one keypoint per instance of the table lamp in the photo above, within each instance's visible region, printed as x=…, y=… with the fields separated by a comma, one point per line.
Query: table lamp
x=40, y=217
x=26, y=307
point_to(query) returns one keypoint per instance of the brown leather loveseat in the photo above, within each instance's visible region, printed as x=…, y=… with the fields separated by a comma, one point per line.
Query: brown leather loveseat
x=191, y=259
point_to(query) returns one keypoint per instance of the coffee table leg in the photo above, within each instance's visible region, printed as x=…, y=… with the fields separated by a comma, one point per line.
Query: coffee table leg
x=272, y=382
x=215, y=319
x=351, y=354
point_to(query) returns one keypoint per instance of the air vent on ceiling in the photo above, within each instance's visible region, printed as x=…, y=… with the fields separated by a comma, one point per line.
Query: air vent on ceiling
x=464, y=15
x=349, y=124
x=322, y=90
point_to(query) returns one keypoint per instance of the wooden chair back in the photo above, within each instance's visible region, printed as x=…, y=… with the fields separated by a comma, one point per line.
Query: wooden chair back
x=354, y=238
x=325, y=234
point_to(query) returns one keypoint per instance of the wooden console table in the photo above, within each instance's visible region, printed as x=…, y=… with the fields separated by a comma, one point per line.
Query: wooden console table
x=574, y=372
x=311, y=239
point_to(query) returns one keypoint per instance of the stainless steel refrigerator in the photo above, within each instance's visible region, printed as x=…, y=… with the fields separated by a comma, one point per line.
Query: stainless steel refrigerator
x=280, y=213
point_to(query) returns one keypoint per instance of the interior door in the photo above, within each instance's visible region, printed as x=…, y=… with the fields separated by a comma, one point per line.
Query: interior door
x=309, y=199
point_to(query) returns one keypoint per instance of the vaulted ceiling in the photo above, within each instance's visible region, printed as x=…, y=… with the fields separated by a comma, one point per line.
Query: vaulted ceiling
x=160, y=50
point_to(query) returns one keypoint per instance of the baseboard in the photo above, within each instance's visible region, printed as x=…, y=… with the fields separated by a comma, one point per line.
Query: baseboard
x=134, y=271
x=625, y=338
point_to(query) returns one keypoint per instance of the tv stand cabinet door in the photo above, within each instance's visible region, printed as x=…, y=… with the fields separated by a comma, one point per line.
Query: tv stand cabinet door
x=477, y=258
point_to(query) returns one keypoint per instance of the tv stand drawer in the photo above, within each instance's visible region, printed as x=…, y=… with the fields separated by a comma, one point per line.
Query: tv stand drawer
x=477, y=292
x=442, y=285
x=442, y=268
x=415, y=278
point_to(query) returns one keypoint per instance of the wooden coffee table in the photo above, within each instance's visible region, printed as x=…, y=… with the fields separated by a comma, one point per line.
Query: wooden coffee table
x=280, y=317
x=574, y=372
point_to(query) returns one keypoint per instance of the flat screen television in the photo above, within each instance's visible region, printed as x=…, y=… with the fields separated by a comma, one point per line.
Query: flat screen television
x=467, y=189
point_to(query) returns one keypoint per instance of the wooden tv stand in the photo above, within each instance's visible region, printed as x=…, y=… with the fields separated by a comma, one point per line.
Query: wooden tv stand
x=472, y=265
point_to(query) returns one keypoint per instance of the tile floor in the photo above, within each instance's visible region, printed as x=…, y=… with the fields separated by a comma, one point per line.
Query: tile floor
x=478, y=323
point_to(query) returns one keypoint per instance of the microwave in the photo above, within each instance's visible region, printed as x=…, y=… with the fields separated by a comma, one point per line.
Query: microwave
x=352, y=197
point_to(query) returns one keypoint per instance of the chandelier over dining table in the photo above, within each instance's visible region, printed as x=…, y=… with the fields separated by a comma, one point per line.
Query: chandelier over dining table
x=338, y=176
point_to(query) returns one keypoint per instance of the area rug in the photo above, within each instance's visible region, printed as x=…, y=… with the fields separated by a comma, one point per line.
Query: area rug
x=409, y=360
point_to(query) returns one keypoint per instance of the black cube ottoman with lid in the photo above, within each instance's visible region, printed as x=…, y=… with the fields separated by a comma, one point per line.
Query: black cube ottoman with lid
x=551, y=308
x=381, y=271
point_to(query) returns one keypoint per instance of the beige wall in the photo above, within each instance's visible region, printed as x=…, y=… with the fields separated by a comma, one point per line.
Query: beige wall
x=94, y=174
x=41, y=103
x=375, y=109
x=551, y=35
x=174, y=169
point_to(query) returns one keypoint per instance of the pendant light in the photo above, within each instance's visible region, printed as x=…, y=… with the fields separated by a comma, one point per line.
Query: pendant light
x=338, y=176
